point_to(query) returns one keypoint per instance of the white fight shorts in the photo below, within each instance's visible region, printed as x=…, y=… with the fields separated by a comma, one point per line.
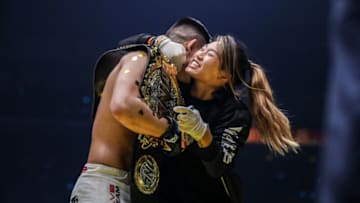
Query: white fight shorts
x=101, y=184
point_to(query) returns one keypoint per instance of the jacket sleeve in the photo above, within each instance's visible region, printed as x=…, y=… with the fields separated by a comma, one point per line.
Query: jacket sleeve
x=142, y=38
x=229, y=132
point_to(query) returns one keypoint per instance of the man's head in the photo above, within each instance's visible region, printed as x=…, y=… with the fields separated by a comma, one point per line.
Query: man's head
x=191, y=33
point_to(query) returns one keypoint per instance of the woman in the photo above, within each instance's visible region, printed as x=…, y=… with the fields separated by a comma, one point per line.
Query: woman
x=229, y=93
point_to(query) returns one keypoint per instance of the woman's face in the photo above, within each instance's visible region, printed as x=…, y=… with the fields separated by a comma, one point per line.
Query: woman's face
x=204, y=66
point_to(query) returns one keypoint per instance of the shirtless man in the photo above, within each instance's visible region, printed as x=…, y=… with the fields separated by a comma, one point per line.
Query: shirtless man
x=120, y=115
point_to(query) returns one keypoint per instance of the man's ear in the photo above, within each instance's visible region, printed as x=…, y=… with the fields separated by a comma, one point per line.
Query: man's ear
x=190, y=45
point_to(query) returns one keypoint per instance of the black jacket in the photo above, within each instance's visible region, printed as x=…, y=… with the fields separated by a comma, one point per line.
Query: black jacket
x=197, y=175
x=206, y=175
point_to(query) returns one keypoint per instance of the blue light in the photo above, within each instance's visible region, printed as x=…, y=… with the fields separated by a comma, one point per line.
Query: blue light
x=86, y=99
x=69, y=186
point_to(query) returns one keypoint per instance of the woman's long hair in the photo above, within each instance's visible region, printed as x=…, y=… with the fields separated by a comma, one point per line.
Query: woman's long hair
x=271, y=123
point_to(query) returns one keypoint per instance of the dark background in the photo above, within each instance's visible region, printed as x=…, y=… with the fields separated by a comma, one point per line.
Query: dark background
x=48, y=50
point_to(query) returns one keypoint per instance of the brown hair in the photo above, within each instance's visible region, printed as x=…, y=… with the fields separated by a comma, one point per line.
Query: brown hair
x=272, y=124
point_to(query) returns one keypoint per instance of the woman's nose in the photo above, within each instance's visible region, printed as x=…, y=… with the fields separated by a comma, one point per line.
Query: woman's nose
x=200, y=54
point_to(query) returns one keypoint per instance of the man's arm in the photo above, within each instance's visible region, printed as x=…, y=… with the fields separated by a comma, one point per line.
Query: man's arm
x=126, y=104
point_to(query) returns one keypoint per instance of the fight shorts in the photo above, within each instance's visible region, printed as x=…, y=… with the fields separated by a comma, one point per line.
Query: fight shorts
x=101, y=184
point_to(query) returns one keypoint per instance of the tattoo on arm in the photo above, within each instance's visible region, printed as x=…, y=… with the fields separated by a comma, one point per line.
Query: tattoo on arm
x=137, y=83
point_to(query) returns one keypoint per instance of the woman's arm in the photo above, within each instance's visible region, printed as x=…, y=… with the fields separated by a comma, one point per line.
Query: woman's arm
x=220, y=142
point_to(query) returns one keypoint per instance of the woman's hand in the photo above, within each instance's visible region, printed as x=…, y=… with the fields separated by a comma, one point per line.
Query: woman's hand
x=190, y=121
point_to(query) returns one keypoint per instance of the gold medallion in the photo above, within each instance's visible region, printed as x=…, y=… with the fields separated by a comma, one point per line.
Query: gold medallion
x=146, y=174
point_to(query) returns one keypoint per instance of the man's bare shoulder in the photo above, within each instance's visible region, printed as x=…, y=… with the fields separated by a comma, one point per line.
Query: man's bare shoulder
x=134, y=56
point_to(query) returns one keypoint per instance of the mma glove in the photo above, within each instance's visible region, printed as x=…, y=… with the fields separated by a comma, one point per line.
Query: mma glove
x=190, y=121
x=174, y=51
x=172, y=138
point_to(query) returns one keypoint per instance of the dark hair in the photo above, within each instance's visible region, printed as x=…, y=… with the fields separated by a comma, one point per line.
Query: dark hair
x=188, y=28
x=234, y=61
x=197, y=24
x=270, y=121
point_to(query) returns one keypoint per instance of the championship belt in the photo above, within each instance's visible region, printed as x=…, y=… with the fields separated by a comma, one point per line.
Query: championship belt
x=160, y=91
